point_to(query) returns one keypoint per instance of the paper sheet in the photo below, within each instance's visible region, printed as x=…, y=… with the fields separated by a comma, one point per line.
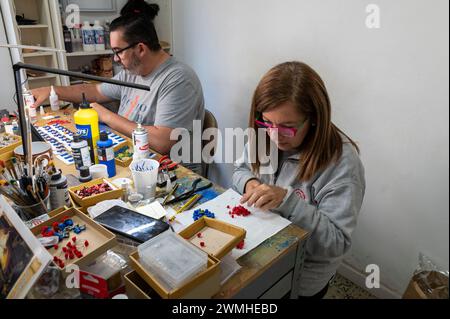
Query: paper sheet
x=260, y=225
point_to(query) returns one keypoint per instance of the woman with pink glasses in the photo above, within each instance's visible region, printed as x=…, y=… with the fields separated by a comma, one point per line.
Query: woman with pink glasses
x=319, y=184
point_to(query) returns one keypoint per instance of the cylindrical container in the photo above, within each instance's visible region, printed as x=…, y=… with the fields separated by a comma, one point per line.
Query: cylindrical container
x=29, y=101
x=80, y=152
x=140, y=143
x=67, y=40
x=98, y=171
x=145, y=176
x=54, y=101
x=88, y=37
x=99, y=36
x=29, y=212
x=59, y=191
x=105, y=153
x=107, y=37
x=86, y=122
x=85, y=174
x=77, y=39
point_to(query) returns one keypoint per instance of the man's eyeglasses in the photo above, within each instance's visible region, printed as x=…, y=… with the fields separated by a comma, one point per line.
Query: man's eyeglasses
x=282, y=130
x=118, y=51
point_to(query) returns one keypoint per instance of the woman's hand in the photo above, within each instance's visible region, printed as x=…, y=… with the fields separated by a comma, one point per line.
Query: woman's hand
x=264, y=196
x=251, y=184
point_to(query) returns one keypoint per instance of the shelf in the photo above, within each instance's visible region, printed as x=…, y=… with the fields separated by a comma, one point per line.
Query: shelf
x=88, y=53
x=37, y=54
x=33, y=26
x=44, y=77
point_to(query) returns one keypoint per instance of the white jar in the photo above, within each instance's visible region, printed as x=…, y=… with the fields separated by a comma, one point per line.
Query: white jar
x=88, y=37
x=99, y=36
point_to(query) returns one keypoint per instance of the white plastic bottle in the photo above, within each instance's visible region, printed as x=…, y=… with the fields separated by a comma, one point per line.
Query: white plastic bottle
x=54, y=101
x=88, y=37
x=99, y=36
x=29, y=101
x=77, y=38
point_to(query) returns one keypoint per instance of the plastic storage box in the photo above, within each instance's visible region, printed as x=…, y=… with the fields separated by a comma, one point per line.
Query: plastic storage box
x=172, y=259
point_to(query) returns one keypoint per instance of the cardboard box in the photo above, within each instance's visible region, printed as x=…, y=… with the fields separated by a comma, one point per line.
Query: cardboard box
x=137, y=288
x=105, y=63
x=202, y=286
x=100, y=239
x=427, y=285
x=219, y=237
x=94, y=199
x=9, y=149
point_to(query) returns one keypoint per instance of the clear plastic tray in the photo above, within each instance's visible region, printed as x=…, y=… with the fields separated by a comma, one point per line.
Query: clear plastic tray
x=172, y=259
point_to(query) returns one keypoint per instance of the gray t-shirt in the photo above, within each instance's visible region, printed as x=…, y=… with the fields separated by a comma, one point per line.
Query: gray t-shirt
x=175, y=98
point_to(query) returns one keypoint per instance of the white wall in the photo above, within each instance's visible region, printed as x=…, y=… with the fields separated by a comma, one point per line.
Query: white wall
x=7, y=88
x=389, y=90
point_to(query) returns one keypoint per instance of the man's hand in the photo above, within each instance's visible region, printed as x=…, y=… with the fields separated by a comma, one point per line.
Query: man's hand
x=264, y=196
x=40, y=95
x=103, y=113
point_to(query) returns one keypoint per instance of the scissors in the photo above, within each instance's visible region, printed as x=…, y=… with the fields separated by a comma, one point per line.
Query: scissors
x=189, y=193
x=166, y=163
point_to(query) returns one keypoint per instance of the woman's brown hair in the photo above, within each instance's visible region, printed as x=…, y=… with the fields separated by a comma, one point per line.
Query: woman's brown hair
x=299, y=84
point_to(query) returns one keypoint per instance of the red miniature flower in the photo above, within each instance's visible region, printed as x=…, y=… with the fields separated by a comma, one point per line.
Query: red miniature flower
x=202, y=244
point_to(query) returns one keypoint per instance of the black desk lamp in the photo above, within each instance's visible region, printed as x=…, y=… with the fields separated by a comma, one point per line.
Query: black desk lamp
x=18, y=84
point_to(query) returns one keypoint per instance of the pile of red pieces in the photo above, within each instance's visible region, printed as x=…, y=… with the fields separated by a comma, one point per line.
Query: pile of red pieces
x=93, y=190
x=240, y=245
x=70, y=251
x=238, y=210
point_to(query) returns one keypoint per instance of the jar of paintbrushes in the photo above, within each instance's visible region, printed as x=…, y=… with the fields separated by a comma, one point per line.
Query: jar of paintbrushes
x=27, y=187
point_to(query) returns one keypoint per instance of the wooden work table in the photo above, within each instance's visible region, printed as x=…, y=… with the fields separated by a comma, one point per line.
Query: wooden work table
x=270, y=270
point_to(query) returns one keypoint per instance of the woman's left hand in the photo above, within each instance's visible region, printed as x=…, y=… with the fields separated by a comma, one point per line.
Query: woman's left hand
x=264, y=197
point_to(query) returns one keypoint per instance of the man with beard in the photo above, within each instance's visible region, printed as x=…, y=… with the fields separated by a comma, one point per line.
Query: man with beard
x=175, y=98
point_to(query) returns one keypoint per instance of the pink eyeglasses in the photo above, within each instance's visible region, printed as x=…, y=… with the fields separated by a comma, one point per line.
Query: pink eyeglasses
x=282, y=130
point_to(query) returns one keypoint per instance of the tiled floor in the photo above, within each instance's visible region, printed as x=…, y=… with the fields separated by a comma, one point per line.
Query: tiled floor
x=342, y=288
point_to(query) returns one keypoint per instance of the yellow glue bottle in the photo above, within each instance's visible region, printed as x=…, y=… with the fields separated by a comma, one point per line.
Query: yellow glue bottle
x=86, y=122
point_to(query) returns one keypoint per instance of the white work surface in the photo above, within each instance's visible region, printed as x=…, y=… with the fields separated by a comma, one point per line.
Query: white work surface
x=259, y=225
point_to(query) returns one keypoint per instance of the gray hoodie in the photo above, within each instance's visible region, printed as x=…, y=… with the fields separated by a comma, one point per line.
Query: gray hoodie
x=327, y=206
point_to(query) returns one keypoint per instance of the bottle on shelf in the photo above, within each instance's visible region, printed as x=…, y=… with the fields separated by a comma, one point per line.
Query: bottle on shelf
x=88, y=37
x=99, y=36
x=107, y=38
x=67, y=39
x=77, y=39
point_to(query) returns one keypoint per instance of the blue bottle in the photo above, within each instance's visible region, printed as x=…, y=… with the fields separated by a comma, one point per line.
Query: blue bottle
x=105, y=153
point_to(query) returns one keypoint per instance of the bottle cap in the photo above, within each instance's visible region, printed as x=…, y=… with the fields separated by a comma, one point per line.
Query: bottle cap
x=84, y=103
x=103, y=136
x=56, y=175
x=84, y=172
x=77, y=138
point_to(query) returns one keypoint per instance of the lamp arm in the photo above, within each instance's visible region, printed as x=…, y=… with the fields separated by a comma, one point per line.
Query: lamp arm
x=18, y=66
